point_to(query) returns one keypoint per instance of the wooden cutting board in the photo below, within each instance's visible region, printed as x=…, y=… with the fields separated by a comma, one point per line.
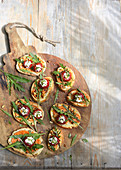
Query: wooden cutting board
x=18, y=49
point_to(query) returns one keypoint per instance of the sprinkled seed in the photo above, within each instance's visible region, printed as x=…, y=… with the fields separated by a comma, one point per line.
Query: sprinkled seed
x=2, y=106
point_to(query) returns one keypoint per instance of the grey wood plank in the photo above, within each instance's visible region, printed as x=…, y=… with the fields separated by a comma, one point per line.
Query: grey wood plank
x=90, y=35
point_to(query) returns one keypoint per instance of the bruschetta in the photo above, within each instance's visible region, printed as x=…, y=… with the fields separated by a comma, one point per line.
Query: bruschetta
x=31, y=64
x=27, y=142
x=79, y=98
x=65, y=116
x=27, y=112
x=55, y=138
x=41, y=89
x=65, y=77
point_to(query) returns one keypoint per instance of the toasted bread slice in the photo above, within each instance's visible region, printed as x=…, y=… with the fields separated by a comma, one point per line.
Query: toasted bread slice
x=84, y=103
x=58, y=133
x=68, y=111
x=70, y=83
x=44, y=93
x=27, y=153
x=29, y=71
x=30, y=119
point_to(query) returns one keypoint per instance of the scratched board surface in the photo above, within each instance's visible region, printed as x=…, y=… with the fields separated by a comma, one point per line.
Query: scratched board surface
x=90, y=35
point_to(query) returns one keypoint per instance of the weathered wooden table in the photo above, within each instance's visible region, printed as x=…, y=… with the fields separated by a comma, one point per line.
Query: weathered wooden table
x=90, y=35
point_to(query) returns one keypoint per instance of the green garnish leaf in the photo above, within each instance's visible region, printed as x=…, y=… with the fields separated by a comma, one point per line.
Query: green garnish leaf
x=40, y=121
x=20, y=125
x=56, y=72
x=39, y=96
x=9, y=122
x=37, y=146
x=38, y=91
x=70, y=99
x=34, y=58
x=64, y=84
x=73, y=139
x=84, y=96
x=35, y=123
x=36, y=87
x=52, y=147
x=9, y=86
x=15, y=106
x=69, y=135
x=58, y=83
x=28, y=104
x=34, y=135
x=12, y=80
x=58, y=110
x=85, y=140
x=69, y=90
x=25, y=71
x=62, y=65
x=20, y=79
x=40, y=76
x=25, y=120
x=48, y=115
x=68, y=113
x=79, y=90
x=18, y=60
x=11, y=145
x=67, y=84
x=50, y=82
x=81, y=127
x=70, y=157
x=56, y=95
x=6, y=112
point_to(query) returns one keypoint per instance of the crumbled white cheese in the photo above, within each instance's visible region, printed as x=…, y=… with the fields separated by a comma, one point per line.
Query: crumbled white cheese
x=38, y=113
x=43, y=82
x=27, y=63
x=38, y=68
x=23, y=111
x=53, y=140
x=30, y=140
x=61, y=119
x=78, y=98
x=66, y=75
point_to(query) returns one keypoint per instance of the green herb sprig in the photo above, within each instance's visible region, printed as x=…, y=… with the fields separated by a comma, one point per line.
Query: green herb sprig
x=6, y=112
x=11, y=145
x=56, y=73
x=12, y=80
x=34, y=58
x=62, y=65
x=84, y=140
x=25, y=71
x=56, y=95
x=73, y=139
x=38, y=91
x=48, y=115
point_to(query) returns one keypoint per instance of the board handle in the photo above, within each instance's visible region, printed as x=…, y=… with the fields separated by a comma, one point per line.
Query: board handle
x=14, y=25
x=16, y=44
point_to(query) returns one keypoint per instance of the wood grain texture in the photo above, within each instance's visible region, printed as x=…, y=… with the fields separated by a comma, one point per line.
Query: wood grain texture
x=90, y=35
